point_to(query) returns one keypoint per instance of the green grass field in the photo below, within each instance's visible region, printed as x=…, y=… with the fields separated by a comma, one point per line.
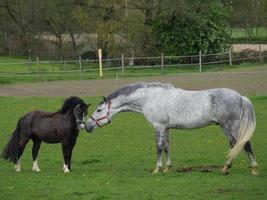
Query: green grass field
x=115, y=161
x=239, y=35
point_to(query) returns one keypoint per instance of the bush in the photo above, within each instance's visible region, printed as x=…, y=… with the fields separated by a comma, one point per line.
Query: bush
x=198, y=28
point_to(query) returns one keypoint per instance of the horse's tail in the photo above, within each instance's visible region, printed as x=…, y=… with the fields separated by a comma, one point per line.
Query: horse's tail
x=247, y=127
x=11, y=151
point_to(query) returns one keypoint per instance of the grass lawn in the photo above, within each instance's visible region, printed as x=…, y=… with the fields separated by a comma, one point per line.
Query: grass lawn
x=115, y=161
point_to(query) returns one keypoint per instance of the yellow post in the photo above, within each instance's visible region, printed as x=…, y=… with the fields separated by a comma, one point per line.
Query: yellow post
x=100, y=62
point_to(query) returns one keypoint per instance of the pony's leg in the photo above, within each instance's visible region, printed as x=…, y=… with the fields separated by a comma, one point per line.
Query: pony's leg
x=67, y=151
x=253, y=162
x=161, y=141
x=167, y=152
x=35, y=150
x=22, y=143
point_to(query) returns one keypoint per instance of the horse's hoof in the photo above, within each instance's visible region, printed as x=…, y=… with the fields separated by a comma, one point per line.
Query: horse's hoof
x=18, y=170
x=167, y=169
x=156, y=171
x=254, y=172
x=225, y=171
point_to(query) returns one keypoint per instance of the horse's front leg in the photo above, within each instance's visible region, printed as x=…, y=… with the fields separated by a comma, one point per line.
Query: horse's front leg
x=161, y=141
x=167, y=152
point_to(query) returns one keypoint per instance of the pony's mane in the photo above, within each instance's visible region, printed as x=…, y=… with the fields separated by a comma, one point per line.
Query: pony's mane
x=129, y=89
x=70, y=103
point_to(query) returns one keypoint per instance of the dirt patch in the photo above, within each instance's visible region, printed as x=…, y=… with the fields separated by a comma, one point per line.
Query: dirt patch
x=246, y=82
x=209, y=168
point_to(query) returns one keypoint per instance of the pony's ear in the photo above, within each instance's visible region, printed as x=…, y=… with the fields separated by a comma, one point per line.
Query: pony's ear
x=104, y=99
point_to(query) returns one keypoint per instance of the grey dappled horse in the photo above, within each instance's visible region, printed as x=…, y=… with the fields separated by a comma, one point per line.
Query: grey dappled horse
x=166, y=107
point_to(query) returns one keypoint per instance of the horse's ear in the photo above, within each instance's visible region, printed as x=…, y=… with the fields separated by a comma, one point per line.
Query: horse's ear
x=105, y=99
x=88, y=105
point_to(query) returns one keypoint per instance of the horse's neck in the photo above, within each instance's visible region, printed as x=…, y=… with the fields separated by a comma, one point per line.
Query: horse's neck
x=127, y=104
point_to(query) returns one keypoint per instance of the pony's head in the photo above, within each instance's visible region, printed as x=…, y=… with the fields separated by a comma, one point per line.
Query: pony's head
x=77, y=107
x=80, y=111
x=100, y=116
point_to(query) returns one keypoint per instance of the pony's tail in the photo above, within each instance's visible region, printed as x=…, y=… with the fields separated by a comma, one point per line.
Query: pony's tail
x=11, y=151
x=247, y=127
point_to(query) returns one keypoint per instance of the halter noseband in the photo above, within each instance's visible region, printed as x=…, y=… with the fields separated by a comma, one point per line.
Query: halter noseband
x=105, y=117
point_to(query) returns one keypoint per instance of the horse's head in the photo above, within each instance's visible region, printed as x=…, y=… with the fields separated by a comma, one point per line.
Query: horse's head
x=80, y=112
x=100, y=116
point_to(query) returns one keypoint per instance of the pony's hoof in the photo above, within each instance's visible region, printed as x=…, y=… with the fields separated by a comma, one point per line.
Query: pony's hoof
x=167, y=169
x=66, y=170
x=156, y=171
x=18, y=169
x=36, y=170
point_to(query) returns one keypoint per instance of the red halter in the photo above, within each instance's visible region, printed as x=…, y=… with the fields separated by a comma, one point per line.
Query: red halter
x=105, y=117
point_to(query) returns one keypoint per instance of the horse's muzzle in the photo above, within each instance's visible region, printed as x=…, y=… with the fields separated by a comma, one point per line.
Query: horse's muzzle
x=89, y=128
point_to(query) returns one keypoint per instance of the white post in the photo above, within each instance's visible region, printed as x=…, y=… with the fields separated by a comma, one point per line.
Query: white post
x=100, y=63
x=230, y=57
x=200, y=61
x=162, y=62
x=122, y=64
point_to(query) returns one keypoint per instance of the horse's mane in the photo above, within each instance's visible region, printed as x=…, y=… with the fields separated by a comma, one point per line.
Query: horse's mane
x=70, y=103
x=129, y=89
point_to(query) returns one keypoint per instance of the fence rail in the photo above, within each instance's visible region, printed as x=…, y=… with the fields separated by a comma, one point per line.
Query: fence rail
x=124, y=65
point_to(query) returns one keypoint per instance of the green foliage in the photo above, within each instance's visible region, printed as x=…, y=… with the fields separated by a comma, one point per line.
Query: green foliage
x=197, y=28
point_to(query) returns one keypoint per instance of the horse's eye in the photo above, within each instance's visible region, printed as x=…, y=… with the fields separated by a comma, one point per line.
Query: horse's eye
x=99, y=110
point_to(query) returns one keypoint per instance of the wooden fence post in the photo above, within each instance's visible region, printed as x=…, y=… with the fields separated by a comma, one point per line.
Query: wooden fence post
x=162, y=62
x=122, y=64
x=29, y=64
x=37, y=68
x=100, y=62
x=200, y=61
x=80, y=67
x=261, y=58
x=230, y=57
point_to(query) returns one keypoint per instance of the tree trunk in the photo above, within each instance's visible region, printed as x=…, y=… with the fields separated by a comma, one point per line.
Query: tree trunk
x=148, y=11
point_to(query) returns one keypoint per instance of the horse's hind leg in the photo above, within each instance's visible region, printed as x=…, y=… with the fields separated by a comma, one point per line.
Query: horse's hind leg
x=253, y=162
x=167, y=152
x=228, y=163
x=35, y=150
x=22, y=143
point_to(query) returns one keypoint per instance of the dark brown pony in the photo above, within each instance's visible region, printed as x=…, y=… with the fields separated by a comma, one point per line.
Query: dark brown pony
x=58, y=127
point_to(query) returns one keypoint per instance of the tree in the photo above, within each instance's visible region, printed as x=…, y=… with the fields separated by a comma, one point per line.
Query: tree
x=195, y=27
